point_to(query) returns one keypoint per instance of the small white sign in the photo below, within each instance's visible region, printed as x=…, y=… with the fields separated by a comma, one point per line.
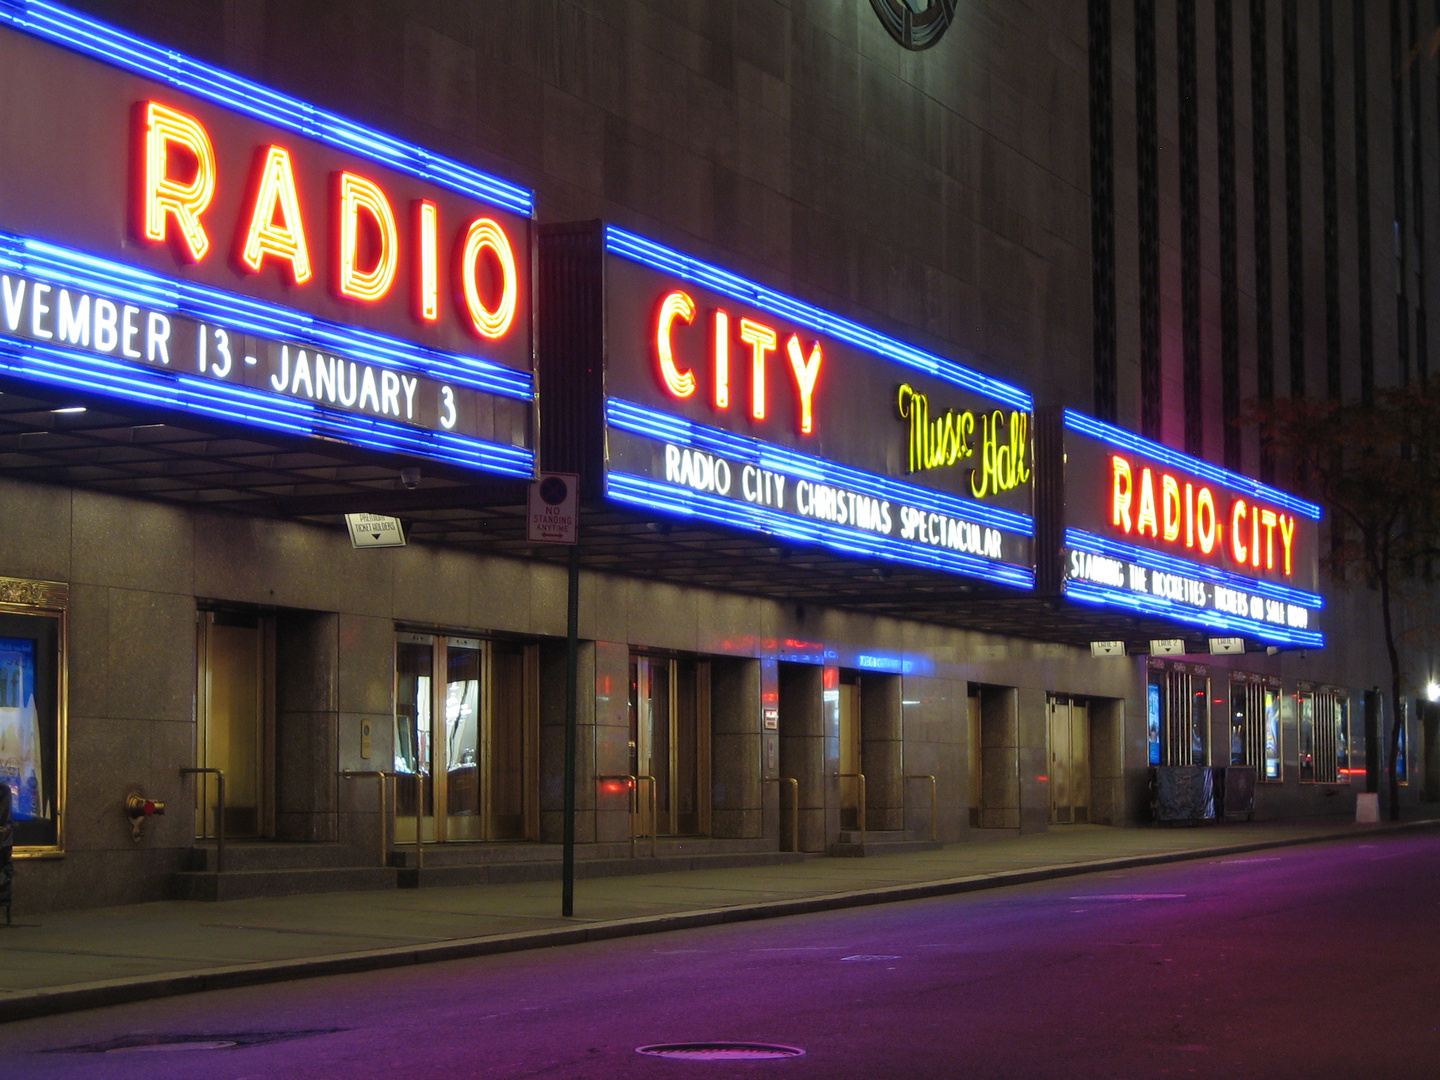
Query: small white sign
x=1226, y=646
x=772, y=719
x=1107, y=648
x=554, y=509
x=374, y=531
x=1167, y=647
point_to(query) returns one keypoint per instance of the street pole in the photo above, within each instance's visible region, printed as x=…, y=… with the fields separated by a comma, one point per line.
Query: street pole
x=567, y=864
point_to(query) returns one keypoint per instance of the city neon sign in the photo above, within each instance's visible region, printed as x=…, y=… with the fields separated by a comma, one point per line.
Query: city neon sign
x=759, y=338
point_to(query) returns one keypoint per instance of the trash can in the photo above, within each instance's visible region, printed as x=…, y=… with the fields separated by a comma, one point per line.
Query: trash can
x=1182, y=794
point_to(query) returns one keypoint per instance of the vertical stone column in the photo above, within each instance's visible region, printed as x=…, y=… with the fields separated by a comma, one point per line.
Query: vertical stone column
x=308, y=685
x=610, y=743
x=735, y=768
x=365, y=696
x=935, y=715
x=999, y=759
x=1107, y=761
x=882, y=752
x=803, y=753
x=1032, y=725
x=552, y=740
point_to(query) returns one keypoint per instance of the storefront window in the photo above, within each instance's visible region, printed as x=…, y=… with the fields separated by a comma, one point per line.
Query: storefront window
x=1152, y=717
x=1305, y=735
x=1342, y=737
x=1272, y=736
x=1402, y=754
x=32, y=710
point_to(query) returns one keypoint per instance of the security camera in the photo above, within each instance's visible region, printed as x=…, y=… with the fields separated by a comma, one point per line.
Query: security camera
x=410, y=478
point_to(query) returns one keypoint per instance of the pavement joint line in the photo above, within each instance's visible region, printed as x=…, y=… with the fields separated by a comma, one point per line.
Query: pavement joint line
x=20, y=1005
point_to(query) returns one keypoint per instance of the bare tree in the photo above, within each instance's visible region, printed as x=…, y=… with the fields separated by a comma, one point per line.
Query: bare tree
x=1376, y=469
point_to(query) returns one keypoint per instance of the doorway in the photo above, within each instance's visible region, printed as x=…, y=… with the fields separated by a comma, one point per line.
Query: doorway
x=670, y=744
x=466, y=739
x=1069, y=728
x=851, y=767
x=235, y=722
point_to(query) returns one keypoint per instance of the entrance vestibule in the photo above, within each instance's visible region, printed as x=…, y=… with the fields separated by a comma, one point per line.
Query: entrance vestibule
x=670, y=744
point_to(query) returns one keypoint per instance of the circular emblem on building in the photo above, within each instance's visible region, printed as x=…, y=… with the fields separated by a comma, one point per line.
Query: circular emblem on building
x=916, y=24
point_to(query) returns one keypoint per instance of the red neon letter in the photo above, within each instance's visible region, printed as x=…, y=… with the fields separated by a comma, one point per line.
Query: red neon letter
x=488, y=322
x=1121, y=491
x=1287, y=538
x=675, y=305
x=722, y=358
x=1147, y=505
x=1170, y=506
x=1207, y=520
x=1237, y=540
x=427, y=275
x=275, y=197
x=761, y=340
x=352, y=195
x=158, y=193
x=806, y=373
x=1189, y=515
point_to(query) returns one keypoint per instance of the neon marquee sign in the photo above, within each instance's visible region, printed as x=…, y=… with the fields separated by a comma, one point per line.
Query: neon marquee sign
x=286, y=268
x=1154, y=531
x=745, y=407
x=1004, y=444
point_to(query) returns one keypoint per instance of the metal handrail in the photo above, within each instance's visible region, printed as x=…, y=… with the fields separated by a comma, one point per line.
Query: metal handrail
x=631, y=785
x=220, y=817
x=654, y=810
x=794, y=807
x=861, y=777
x=926, y=776
x=381, y=775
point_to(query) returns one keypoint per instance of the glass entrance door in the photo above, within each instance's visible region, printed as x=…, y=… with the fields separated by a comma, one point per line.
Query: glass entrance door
x=1069, y=722
x=232, y=723
x=850, y=763
x=670, y=744
x=465, y=737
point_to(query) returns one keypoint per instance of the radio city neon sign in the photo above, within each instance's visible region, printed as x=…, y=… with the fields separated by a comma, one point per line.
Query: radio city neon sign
x=948, y=439
x=758, y=338
x=1156, y=504
x=174, y=180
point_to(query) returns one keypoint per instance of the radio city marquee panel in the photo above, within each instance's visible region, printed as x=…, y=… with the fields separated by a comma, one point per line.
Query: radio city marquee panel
x=182, y=238
x=1158, y=532
x=737, y=404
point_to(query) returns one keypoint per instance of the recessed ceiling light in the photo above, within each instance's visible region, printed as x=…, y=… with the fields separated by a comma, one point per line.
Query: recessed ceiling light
x=70, y=409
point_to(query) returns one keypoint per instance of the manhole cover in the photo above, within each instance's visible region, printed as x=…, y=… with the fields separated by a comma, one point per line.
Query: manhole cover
x=157, y=1042
x=720, y=1051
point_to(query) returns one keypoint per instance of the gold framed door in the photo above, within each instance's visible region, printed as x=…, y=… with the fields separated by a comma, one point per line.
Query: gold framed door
x=670, y=744
x=1069, y=730
x=234, y=727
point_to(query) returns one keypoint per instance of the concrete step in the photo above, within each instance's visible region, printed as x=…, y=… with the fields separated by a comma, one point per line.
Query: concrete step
x=431, y=876
x=276, y=855
x=512, y=853
x=246, y=884
x=851, y=845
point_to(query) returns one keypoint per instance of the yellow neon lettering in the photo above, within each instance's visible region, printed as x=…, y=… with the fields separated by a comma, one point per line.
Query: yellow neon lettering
x=761, y=340
x=1237, y=539
x=160, y=194
x=353, y=195
x=1170, y=506
x=1207, y=520
x=482, y=235
x=1122, y=488
x=1287, y=538
x=722, y=358
x=1189, y=515
x=275, y=197
x=1147, y=505
x=806, y=372
x=427, y=281
x=675, y=305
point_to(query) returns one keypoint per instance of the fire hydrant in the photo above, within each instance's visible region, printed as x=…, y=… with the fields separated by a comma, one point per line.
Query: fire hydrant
x=137, y=809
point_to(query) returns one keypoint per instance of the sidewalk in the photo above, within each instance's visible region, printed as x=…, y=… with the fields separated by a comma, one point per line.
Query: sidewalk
x=84, y=959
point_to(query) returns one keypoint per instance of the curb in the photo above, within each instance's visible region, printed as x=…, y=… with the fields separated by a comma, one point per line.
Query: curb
x=76, y=997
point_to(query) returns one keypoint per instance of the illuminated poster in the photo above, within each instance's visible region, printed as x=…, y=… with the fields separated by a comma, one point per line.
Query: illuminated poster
x=179, y=238
x=1272, y=735
x=1152, y=721
x=728, y=401
x=22, y=766
x=1150, y=530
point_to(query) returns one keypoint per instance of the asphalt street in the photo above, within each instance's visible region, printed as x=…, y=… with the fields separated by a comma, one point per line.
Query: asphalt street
x=1297, y=962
